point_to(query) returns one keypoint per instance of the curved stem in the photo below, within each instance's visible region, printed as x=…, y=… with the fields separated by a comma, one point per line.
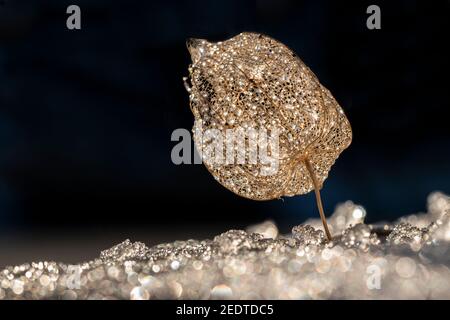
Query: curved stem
x=318, y=199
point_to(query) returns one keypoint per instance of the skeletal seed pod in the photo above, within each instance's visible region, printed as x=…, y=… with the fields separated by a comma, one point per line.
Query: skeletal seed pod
x=250, y=84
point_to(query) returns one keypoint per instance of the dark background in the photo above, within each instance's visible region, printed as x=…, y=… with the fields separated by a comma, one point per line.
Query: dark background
x=86, y=117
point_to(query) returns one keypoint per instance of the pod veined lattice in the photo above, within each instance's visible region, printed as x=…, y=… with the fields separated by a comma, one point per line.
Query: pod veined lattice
x=250, y=83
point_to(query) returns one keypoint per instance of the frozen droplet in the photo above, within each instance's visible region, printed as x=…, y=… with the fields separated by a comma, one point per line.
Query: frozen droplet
x=175, y=265
x=267, y=229
x=405, y=233
x=405, y=267
x=358, y=235
x=221, y=292
x=437, y=203
x=235, y=240
x=139, y=293
x=306, y=235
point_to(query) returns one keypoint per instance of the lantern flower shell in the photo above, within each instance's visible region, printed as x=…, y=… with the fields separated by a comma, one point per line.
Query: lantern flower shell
x=254, y=81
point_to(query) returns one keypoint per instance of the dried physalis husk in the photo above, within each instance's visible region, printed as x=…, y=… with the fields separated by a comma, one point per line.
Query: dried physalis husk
x=253, y=82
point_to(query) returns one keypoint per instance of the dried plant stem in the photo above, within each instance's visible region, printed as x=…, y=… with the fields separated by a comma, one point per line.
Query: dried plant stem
x=318, y=199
